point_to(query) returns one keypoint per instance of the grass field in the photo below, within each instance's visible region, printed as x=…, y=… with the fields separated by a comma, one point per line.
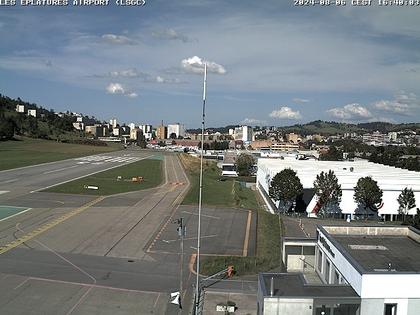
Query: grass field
x=28, y=151
x=230, y=193
x=149, y=169
x=227, y=193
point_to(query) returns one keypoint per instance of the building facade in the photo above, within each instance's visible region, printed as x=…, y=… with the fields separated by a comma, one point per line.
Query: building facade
x=177, y=129
x=363, y=270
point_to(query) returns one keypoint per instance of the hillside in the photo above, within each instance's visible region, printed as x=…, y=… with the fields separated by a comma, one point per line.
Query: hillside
x=47, y=125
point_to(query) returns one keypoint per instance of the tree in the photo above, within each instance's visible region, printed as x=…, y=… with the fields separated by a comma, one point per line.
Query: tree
x=244, y=164
x=328, y=192
x=7, y=129
x=285, y=187
x=368, y=194
x=333, y=154
x=172, y=135
x=141, y=142
x=407, y=201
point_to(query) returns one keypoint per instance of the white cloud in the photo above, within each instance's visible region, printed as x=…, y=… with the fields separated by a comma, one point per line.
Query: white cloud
x=350, y=111
x=129, y=73
x=196, y=65
x=403, y=104
x=252, y=121
x=300, y=100
x=285, y=113
x=115, y=88
x=160, y=79
x=118, y=39
x=131, y=95
x=171, y=34
x=118, y=88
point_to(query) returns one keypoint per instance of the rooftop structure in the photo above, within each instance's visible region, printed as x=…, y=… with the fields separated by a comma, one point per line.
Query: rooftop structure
x=364, y=270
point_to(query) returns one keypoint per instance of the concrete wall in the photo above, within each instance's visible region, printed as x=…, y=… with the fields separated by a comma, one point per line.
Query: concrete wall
x=372, y=307
x=413, y=307
x=377, y=306
x=276, y=306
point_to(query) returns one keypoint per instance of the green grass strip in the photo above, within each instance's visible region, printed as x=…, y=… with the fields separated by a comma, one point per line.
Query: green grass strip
x=150, y=170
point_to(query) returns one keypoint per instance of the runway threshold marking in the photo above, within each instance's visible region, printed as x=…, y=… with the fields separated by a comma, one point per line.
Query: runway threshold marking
x=246, y=240
x=50, y=224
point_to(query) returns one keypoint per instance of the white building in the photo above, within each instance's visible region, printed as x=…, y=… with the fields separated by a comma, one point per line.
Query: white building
x=390, y=179
x=113, y=122
x=20, y=108
x=32, y=112
x=360, y=270
x=132, y=125
x=79, y=125
x=135, y=133
x=116, y=131
x=177, y=129
x=243, y=133
x=392, y=136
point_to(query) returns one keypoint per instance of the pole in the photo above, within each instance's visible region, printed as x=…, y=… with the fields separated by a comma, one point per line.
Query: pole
x=200, y=195
x=182, y=234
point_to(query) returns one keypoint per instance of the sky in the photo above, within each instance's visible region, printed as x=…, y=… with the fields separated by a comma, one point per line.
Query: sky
x=269, y=62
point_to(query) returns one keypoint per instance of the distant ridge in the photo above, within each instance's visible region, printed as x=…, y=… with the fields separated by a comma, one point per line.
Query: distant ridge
x=331, y=127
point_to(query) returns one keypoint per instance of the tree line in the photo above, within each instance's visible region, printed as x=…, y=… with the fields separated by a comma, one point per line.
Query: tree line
x=401, y=157
x=286, y=187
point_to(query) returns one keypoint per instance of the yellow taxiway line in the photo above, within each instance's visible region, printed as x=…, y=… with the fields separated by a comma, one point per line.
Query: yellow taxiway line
x=48, y=225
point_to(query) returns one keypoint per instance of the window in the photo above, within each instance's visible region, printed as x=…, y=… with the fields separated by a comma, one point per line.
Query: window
x=327, y=272
x=336, y=279
x=319, y=261
x=390, y=309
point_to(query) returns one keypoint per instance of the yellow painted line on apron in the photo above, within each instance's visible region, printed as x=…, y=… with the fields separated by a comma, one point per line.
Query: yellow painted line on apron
x=48, y=226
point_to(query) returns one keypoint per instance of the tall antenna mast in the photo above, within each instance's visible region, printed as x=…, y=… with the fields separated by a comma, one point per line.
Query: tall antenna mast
x=197, y=284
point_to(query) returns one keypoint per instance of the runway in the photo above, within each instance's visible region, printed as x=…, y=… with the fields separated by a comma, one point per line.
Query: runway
x=74, y=254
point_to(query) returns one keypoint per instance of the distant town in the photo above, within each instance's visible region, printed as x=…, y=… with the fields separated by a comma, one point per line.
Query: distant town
x=404, y=138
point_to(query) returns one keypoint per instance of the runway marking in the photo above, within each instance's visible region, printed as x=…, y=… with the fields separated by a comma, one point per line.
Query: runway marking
x=11, y=181
x=176, y=201
x=190, y=238
x=246, y=240
x=203, y=215
x=48, y=225
x=98, y=286
x=93, y=173
x=4, y=192
x=13, y=215
x=21, y=284
x=157, y=298
x=60, y=169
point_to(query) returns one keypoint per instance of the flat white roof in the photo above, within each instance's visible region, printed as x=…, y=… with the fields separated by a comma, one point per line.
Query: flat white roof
x=388, y=177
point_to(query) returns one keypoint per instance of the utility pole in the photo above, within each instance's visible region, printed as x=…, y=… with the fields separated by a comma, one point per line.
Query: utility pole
x=197, y=283
x=181, y=233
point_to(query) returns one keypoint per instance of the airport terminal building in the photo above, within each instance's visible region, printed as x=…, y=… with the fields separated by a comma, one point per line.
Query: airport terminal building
x=390, y=179
x=360, y=270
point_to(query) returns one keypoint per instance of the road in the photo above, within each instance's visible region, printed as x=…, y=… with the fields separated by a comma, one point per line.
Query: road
x=73, y=254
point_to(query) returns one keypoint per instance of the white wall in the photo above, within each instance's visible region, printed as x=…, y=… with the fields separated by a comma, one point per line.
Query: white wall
x=276, y=306
x=391, y=285
x=352, y=276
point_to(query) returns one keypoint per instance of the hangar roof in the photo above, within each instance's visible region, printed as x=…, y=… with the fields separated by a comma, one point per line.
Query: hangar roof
x=388, y=177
